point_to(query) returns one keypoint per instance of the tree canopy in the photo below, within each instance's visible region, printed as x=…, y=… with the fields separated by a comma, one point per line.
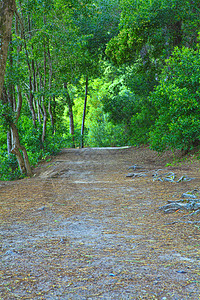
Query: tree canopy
x=104, y=72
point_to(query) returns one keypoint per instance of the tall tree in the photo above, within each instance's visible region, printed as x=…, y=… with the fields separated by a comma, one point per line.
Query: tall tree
x=97, y=25
x=7, y=8
x=152, y=28
x=149, y=31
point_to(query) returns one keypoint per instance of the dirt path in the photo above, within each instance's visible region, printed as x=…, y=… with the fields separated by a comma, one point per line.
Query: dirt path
x=81, y=229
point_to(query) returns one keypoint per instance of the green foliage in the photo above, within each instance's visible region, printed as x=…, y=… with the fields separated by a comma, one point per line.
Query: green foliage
x=147, y=36
x=177, y=101
x=31, y=139
x=8, y=164
x=6, y=115
x=158, y=24
x=105, y=134
x=142, y=121
x=30, y=135
x=140, y=98
x=119, y=102
x=8, y=167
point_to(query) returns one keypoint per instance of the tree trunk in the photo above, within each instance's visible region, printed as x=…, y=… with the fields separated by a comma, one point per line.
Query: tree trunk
x=13, y=143
x=23, y=161
x=51, y=116
x=16, y=152
x=39, y=110
x=177, y=33
x=31, y=68
x=19, y=103
x=30, y=102
x=71, y=117
x=7, y=8
x=50, y=84
x=43, y=97
x=84, y=113
x=71, y=120
x=9, y=142
x=44, y=124
x=38, y=99
x=53, y=109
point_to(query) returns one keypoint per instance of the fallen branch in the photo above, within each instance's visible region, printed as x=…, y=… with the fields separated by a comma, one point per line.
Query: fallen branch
x=185, y=222
x=136, y=175
x=134, y=167
x=181, y=205
x=170, y=177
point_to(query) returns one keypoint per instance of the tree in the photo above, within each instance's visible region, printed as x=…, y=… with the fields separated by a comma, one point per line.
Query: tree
x=7, y=8
x=7, y=100
x=152, y=28
x=149, y=31
x=97, y=26
x=177, y=102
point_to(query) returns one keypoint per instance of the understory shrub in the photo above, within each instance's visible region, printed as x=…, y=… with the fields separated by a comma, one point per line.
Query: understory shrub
x=8, y=167
x=106, y=134
x=30, y=137
x=177, y=101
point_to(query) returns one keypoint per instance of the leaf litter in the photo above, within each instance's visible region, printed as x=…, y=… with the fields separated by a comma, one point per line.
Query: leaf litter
x=80, y=229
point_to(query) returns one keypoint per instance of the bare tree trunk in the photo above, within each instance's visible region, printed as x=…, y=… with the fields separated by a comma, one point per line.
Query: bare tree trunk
x=9, y=142
x=71, y=117
x=39, y=110
x=71, y=121
x=51, y=116
x=53, y=108
x=23, y=161
x=30, y=102
x=43, y=98
x=7, y=8
x=19, y=104
x=44, y=124
x=20, y=160
x=50, y=84
x=31, y=68
x=84, y=113
x=44, y=114
x=13, y=142
x=38, y=101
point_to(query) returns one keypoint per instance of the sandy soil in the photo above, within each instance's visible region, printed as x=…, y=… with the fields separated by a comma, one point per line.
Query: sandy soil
x=81, y=229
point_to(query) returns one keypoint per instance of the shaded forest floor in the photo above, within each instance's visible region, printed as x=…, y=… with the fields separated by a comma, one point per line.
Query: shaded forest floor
x=81, y=229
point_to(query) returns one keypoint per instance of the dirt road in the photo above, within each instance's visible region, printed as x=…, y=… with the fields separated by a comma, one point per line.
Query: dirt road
x=81, y=229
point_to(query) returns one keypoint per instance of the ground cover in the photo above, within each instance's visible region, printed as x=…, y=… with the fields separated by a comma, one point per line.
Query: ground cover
x=84, y=228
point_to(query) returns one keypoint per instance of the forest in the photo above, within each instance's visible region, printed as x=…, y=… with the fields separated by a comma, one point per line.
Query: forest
x=97, y=73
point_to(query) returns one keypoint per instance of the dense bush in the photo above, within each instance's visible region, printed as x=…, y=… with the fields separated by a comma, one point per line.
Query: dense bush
x=177, y=101
x=8, y=167
x=30, y=137
x=103, y=133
